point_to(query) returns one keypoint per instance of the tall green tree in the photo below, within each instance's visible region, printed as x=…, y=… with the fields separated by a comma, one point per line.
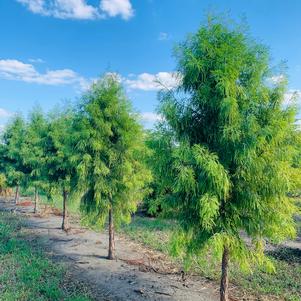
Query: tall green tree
x=59, y=151
x=233, y=161
x=161, y=144
x=111, y=150
x=11, y=158
x=33, y=151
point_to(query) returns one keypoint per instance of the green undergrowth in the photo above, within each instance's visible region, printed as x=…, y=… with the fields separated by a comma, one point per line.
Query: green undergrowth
x=152, y=232
x=26, y=274
x=55, y=201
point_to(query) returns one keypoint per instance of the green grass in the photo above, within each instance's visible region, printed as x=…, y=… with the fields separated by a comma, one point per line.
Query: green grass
x=26, y=273
x=285, y=284
x=56, y=201
x=152, y=232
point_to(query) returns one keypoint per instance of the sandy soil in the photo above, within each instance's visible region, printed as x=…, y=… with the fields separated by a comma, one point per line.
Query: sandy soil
x=137, y=274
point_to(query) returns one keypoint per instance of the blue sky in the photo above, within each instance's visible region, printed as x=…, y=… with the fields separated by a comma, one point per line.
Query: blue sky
x=52, y=49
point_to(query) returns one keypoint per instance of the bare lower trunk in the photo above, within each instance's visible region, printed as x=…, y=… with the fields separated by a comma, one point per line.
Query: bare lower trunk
x=111, y=254
x=17, y=196
x=65, y=223
x=224, y=278
x=36, y=199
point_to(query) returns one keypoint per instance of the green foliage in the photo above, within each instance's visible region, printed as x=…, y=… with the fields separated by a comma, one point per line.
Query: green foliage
x=33, y=147
x=159, y=161
x=152, y=232
x=60, y=161
x=233, y=162
x=110, y=149
x=11, y=160
x=3, y=181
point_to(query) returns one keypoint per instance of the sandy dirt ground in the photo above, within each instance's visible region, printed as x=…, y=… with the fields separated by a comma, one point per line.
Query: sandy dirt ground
x=137, y=274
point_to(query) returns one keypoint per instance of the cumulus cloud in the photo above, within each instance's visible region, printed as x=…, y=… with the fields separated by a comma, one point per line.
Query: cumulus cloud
x=4, y=113
x=12, y=69
x=276, y=79
x=35, y=6
x=150, y=117
x=62, y=9
x=80, y=9
x=163, y=36
x=17, y=70
x=114, y=8
x=35, y=61
x=153, y=82
x=292, y=95
x=2, y=128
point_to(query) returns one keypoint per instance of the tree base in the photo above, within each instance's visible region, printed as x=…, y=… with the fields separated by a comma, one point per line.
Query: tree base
x=66, y=228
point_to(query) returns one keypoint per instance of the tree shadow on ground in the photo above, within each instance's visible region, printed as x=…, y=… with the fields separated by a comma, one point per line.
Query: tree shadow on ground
x=289, y=255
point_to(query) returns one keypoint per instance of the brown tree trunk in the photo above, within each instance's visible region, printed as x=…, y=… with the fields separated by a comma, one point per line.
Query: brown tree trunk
x=17, y=196
x=65, y=223
x=224, y=278
x=36, y=199
x=111, y=254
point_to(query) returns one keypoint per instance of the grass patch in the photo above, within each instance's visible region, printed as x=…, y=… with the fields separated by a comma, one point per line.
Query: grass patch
x=55, y=201
x=152, y=232
x=285, y=284
x=26, y=273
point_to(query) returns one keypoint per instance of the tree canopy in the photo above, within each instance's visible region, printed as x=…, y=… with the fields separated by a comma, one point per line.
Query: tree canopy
x=12, y=161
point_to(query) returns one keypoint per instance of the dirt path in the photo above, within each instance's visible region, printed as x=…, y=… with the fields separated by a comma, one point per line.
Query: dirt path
x=138, y=274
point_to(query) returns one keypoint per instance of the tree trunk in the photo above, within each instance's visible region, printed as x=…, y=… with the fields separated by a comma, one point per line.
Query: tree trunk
x=65, y=224
x=111, y=254
x=224, y=278
x=17, y=196
x=36, y=199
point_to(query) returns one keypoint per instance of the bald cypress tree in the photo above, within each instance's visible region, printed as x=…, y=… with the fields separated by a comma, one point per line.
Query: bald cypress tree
x=110, y=149
x=60, y=167
x=232, y=164
x=33, y=153
x=11, y=154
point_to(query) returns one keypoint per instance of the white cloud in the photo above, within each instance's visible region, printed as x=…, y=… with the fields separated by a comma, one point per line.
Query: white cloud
x=163, y=36
x=11, y=69
x=113, y=8
x=80, y=9
x=153, y=82
x=277, y=79
x=36, y=61
x=292, y=95
x=62, y=9
x=35, y=6
x=150, y=117
x=4, y=113
x=2, y=128
x=17, y=70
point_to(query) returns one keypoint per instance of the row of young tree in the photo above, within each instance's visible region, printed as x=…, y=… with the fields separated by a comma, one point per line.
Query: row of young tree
x=93, y=151
x=223, y=160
